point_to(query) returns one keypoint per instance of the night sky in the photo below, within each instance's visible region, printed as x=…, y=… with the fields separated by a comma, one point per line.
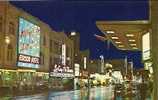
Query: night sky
x=81, y=16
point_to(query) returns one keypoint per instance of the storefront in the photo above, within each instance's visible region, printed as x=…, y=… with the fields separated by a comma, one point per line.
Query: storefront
x=61, y=77
x=8, y=77
x=17, y=78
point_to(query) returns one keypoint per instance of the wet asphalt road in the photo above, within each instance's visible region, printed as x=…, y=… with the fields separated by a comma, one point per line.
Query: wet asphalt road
x=97, y=93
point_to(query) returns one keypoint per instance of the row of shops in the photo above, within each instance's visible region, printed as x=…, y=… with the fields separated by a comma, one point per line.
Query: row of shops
x=21, y=78
x=33, y=54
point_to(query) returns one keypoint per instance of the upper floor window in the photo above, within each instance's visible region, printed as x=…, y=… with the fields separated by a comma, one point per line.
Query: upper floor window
x=1, y=22
x=11, y=28
x=41, y=59
x=50, y=61
x=44, y=40
x=57, y=47
x=0, y=53
x=50, y=46
x=10, y=53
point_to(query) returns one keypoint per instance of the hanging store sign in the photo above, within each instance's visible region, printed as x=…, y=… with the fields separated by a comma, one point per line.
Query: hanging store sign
x=85, y=62
x=146, y=46
x=63, y=54
x=77, y=69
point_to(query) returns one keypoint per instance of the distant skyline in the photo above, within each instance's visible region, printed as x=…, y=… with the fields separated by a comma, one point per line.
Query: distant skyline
x=81, y=16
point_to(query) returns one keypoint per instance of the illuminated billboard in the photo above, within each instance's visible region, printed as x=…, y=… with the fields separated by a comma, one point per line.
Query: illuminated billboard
x=28, y=44
x=146, y=46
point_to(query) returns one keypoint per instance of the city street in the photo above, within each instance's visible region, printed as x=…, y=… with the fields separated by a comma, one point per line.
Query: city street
x=86, y=50
x=97, y=93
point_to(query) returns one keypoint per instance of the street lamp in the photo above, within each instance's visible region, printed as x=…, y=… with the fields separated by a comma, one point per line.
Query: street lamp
x=102, y=63
x=7, y=40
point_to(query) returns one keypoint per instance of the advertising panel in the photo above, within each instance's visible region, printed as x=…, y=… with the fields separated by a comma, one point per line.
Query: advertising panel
x=146, y=46
x=28, y=48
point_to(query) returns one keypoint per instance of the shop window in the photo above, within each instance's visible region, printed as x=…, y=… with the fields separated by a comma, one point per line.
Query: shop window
x=11, y=28
x=1, y=20
x=10, y=53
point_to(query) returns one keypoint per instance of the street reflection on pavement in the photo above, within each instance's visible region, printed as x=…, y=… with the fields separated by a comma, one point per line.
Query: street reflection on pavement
x=96, y=93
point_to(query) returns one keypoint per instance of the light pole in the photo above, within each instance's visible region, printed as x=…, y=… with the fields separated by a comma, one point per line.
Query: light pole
x=102, y=63
x=125, y=65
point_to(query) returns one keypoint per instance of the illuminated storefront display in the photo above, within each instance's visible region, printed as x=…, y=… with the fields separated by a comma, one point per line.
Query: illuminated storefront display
x=146, y=46
x=28, y=44
x=61, y=68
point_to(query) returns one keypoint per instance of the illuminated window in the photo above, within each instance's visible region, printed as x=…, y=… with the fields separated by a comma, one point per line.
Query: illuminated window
x=11, y=28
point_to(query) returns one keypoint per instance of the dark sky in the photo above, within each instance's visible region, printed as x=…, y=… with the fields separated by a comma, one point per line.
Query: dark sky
x=80, y=16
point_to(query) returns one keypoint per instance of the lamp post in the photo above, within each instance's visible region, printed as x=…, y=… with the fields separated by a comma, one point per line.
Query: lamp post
x=107, y=48
x=102, y=63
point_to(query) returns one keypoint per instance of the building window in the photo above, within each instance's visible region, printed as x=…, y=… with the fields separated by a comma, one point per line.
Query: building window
x=50, y=61
x=1, y=23
x=11, y=28
x=44, y=40
x=41, y=59
x=50, y=46
x=57, y=61
x=10, y=53
x=57, y=48
x=0, y=53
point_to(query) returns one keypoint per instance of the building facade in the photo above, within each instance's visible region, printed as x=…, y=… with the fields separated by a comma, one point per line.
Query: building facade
x=29, y=48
